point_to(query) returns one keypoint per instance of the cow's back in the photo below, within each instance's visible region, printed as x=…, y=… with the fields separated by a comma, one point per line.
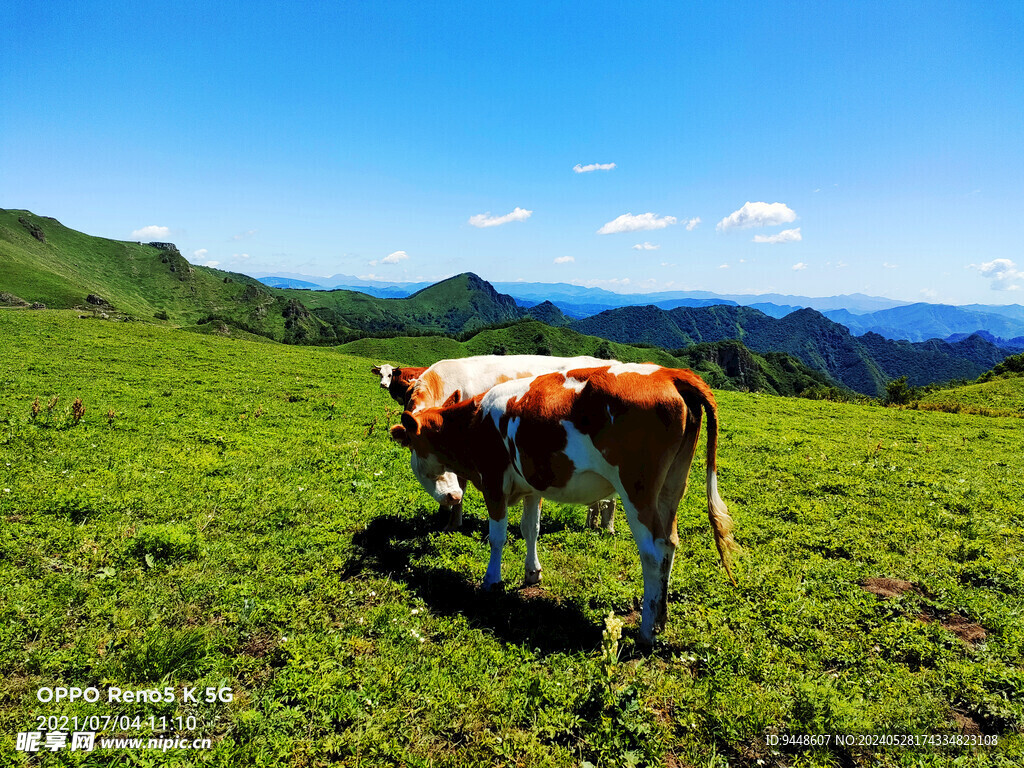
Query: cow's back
x=472, y=376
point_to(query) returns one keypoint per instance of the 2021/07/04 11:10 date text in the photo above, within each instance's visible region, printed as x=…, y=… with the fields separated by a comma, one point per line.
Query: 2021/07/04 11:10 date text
x=119, y=722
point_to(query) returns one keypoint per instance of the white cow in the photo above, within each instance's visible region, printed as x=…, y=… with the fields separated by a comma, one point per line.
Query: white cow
x=574, y=437
x=451, y=381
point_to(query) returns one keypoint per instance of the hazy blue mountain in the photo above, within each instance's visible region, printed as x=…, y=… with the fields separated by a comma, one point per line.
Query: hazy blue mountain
x=1016, y=311
x=379, y=288
x=288, y=282
x=580, y=300
x=1014, y=343
x=774, y=310
x=921, y=321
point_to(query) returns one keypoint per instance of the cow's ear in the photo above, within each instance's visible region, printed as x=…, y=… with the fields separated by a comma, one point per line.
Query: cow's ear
x=400, y=436
x=456, y=396
x=409, y=422
x=396, y=373
x=375, y=370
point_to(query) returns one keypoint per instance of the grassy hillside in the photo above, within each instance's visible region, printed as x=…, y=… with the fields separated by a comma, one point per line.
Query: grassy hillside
x=61, y=268
x=232, y=515
x=1004, y=396
x=727, y=365
x=43, y=261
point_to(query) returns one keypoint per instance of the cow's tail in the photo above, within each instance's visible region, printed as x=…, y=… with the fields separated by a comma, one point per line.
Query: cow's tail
x=718, y=514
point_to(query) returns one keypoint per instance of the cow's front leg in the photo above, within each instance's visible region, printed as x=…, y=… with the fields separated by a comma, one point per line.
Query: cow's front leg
x=497, y=533
x=531, y=530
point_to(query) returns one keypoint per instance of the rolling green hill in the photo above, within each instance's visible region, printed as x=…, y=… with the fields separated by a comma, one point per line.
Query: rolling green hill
x=43, y=261
x=998, y=392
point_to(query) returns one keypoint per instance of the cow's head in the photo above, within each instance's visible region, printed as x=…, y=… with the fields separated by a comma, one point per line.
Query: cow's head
x=415, y=433
x=386, y=372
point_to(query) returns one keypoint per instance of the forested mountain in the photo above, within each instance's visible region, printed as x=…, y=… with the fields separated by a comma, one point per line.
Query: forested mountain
x=862, y=363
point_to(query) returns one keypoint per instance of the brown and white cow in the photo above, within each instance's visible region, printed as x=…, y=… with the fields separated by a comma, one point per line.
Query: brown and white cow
x=397, y=381
x=576, y=437
x=466, y=377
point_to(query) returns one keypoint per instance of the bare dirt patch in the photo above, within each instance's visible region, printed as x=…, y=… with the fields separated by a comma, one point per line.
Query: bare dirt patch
x=886, y=588
x=966, y=724
x=532, y=592
x=960, y=626
x=261, y=645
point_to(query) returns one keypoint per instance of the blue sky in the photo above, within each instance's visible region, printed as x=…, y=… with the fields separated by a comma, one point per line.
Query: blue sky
x=880, y=146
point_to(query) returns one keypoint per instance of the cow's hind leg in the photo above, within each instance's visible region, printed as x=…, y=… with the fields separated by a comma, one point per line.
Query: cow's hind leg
x=602, y=513
x=531, y=530
x=656, y=557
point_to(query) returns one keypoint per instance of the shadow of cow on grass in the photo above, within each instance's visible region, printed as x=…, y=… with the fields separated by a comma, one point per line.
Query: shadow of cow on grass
x=391, y=545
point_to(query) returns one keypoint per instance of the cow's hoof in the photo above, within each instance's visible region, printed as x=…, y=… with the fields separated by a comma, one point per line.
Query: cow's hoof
x=532, y=577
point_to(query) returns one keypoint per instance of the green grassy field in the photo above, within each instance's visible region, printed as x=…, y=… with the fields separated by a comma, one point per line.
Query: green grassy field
x=230, y=514
x=1002, y=396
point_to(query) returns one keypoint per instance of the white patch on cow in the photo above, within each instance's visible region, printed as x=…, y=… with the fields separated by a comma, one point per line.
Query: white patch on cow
x=442, y=485
x=473, y=376
x=576, y=385
x=645, y=369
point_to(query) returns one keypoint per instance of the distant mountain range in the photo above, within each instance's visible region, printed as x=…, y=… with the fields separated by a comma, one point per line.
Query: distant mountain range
x=858, y=312
x=43, y=262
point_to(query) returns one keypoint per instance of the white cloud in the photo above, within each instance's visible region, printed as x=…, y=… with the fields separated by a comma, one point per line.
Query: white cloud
x=394, y=258
x=212, y=264
x=723, y=266
x=1003, y=273
x=627, y=222
x=200, y=254
x=645, y=246
x=799, y=266
x=486, y=220
x=929, y=293
x=887, y=265
x=152, y=232
x=240, y=256
x=244, y=235
x=564, y=259
x=785, y=236
x=757, y=215
x=691, y=224
x=593, y=167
